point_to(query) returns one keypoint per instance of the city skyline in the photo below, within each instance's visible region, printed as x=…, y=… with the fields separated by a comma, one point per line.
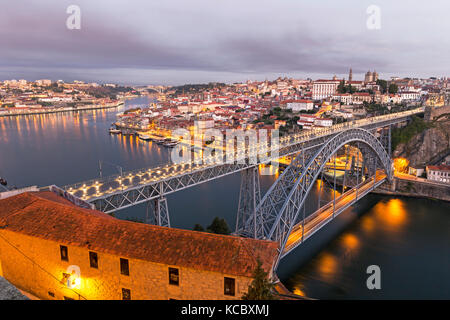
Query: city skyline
x=172, y=43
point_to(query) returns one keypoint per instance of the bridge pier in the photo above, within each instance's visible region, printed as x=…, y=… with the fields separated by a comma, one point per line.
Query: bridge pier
x=159, y=212
x=247, y=221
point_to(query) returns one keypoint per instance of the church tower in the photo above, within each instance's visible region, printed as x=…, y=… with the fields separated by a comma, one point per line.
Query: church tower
x=350, y=75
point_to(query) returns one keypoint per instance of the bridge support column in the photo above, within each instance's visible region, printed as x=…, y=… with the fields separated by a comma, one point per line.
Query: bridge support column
x=159, y=212
x=248, y=224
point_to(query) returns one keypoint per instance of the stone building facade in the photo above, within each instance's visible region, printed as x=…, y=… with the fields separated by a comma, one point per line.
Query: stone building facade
x=55, y=250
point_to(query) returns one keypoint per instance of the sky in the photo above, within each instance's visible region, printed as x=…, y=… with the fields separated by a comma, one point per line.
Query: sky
x=173, y=42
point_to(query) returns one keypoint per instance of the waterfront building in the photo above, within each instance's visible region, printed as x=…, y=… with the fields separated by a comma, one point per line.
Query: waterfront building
x=53, y=249
x=440, y=173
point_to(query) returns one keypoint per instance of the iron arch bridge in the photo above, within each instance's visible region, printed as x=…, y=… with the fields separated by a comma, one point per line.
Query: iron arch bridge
x=278, y=215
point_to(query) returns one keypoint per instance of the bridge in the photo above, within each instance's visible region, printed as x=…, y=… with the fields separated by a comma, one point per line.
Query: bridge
x=280, y=214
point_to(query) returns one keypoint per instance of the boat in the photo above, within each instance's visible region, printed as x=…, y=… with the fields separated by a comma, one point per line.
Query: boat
x=114, y=130
x=127, y=132
x=170, y=143
x=159, y=141
x=144, y=137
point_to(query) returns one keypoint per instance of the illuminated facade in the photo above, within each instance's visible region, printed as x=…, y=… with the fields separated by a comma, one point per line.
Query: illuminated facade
x=55, y=250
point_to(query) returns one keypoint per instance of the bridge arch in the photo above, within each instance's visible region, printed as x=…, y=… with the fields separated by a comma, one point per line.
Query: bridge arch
x=279, y=208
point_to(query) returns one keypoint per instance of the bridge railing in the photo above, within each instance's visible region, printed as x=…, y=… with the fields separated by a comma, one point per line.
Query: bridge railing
x=258, y=150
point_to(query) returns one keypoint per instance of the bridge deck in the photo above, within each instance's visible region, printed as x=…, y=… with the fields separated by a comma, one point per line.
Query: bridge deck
x=321, y=217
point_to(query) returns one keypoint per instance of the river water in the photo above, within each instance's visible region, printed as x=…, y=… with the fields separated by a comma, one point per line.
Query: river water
x=409, y=239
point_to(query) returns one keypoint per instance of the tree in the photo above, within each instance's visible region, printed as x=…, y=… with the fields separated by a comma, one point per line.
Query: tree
x=383, y=85
x=341, y=88
x=393, y=88
x=351, y=89
x=261, y=287
x=198, y=227
x=219, y=226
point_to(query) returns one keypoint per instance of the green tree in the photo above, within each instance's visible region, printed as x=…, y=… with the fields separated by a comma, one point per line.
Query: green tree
x=219, y=226
x=198, y=227
x=393, y=88
x=383, y=85
x=341, y=88
x=261, y=287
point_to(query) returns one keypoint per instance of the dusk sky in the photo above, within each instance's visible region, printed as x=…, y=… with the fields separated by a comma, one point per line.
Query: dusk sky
x=180, y=41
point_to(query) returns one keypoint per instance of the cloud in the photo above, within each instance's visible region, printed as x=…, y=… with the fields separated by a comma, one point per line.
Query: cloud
x=220, y=39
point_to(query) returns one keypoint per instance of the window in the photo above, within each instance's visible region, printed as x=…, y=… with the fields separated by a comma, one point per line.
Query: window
x=93, y=259
x=64, y=253
x=124, y=267
x=174, y=276
x=51, y=294
x=126, y=294
x=229, y=286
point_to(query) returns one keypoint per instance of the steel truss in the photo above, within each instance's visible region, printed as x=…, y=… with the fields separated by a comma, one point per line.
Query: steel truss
x=249, y=197
x=281, y=205
x=110, y=194
x=159, y=214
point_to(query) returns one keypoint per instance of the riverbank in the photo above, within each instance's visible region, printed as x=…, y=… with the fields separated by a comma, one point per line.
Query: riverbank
x=415, y=189
x=15, y=113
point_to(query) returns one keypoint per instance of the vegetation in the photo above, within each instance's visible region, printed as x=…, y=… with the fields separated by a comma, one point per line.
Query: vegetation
x=342, y=88
x=198, y=227
x=393, y=88
x=132, y=110
x=218, y=226
x=383, y=85
x=404, y=135
x=194, y=88
x=261, y=287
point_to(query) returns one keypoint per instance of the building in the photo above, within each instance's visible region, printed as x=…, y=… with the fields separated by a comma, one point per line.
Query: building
x=439, y=173
x=53, y=249
x=323, y=89
x=410, y=96
x=298, y=105
x=371, y=77
x=361, y=97
x=307, y=121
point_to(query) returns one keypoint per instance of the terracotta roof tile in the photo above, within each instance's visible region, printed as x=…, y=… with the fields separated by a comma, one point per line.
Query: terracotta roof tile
x=48, y=216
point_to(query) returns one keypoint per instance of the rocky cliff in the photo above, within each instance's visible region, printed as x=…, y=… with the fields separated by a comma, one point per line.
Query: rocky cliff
x=430, y=146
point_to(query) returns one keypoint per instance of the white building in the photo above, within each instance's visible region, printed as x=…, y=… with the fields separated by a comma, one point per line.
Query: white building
x=323, y=89
x=439, y=173
x=300, y=105
x=410, y=96
x=323, y=122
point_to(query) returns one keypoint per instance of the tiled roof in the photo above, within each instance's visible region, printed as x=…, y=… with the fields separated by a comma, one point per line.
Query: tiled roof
x=47, y=216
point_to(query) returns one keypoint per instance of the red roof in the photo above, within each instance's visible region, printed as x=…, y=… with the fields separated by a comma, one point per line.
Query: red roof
x=441, y=167
x=47, y=216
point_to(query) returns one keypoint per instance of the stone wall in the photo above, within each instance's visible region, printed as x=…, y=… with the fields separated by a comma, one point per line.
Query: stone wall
x=415, y=189
x=9, y=292
x=34, y=265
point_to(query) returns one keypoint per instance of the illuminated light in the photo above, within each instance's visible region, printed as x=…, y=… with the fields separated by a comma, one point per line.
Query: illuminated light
x=350, y=241
x=328, y=266
x=392, y=213
x=368, y=224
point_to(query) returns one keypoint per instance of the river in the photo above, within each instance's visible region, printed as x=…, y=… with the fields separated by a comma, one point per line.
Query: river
x=407, y=238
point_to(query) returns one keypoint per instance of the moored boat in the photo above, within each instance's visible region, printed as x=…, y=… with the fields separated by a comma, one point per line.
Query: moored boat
x=114, y=130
